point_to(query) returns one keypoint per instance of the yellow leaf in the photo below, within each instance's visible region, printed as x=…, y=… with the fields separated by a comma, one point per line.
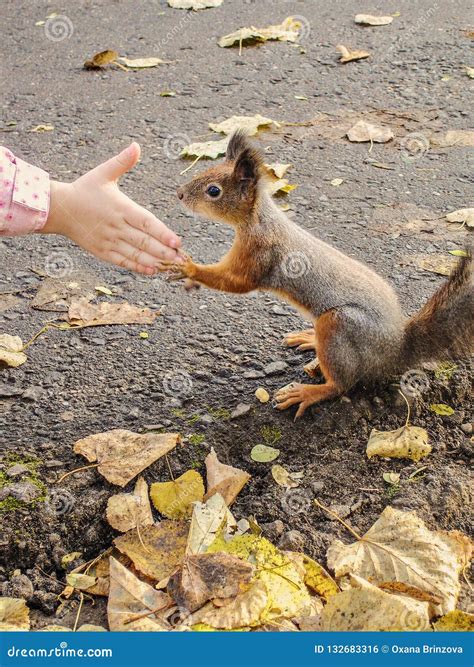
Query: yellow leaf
x=264, y=454
x=14, y=615
x=103, y=290
x=367, y=19
x=123, y=454
x=262, y=395
x=248, y=124
x=141, y=63
x=407, y=442
x=194, y=4
x=455, y=621
x=284, y=478
x=337, y=181
x=144, y=334
x=441, y=409
x=277, y=169
x=175, y=499
x=42, y=128
x=11, y=352
x=207, y=149
x=347, y=55
x=245, y=610
x=80, y=581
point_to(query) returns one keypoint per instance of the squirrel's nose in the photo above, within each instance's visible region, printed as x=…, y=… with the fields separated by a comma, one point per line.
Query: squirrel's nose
x=180, y=193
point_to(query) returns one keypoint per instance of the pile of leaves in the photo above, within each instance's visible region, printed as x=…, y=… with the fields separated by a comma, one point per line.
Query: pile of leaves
x=200, y=569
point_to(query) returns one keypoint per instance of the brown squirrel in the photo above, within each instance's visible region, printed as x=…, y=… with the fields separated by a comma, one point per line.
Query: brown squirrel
x=360, y=332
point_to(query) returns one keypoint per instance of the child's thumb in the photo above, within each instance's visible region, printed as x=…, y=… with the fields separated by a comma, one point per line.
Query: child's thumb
x=118, y=165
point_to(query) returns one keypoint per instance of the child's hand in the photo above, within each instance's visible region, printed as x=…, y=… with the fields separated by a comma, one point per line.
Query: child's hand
x=95, y=214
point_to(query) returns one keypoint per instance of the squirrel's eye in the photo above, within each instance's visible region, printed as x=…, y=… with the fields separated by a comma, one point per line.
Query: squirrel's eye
x=213, y=191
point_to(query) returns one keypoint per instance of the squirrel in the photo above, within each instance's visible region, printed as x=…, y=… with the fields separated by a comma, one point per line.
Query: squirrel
x=360, y=332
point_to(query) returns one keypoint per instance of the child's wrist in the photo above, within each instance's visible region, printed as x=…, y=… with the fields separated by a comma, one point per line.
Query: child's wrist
x=58, y=217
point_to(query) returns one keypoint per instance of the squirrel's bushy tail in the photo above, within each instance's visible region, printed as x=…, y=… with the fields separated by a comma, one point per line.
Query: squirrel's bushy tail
x=444, y=327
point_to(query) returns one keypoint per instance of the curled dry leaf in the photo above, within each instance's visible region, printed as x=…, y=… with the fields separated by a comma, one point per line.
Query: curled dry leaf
x=363, y=131
x=407, y=442
x=245, y=610
x=248, y=124
x=462, y=215
x=42, y=128
x=288, y=31
x=347, y=55
x=368, y=609
x=14, y=615
x=157, y=550
x=194, y=4
x=129, y=510
x=206, y=149
x=85, y=314
x=367, y=19
x=285, y=478
x=439, y=264
x=142, y=63
x=123, y=454
x=175, y=499
x=204, y=577
x=399, y=547
x=277, y=169
x=101, y=59
x=130, y=598
x=224, y=479
x=11, y=351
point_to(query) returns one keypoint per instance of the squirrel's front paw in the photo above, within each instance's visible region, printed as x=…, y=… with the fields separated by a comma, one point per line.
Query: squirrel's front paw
x=180, y=271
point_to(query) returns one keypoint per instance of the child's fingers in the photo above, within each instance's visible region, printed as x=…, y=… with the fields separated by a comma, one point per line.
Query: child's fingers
x=135, y=255
x=130, y=265
x=148, y=244
x=146, y=222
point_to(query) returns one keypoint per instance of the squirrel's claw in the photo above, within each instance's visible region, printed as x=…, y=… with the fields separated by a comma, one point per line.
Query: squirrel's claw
x=293, y=394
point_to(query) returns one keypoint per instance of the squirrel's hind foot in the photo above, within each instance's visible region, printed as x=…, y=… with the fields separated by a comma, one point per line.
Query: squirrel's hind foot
x=303, y=340
x=305, y=395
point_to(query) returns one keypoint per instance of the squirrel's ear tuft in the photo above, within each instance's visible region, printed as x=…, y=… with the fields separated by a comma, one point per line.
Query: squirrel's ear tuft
x=238, y=143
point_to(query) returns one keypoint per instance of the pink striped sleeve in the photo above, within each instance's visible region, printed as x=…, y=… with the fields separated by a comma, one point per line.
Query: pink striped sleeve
x=24, y=196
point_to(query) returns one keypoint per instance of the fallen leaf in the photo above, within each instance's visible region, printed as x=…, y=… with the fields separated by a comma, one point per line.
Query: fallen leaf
x=337, y=181
x=224, y=479
x=463, y=215
x=175, y=499
x=168, y=93
x=207, y=149
x=245, y=610
x=101, y=59
x=194, y=4
x=368, y=609
x=264, y=454
x=144, y=334
x=262, y=395
x=55, y=628
x=301, y=98
x=458, y=253
x=42, y=128
x=99, y=569
x=280, y=185
x=459, y=138
x=441, y=409
x=367, y=19
x=470, y=72
x=142, y=63
x=347, y=55
x=284, y=478
x=277, y=169
x=315, y=576
x=55, y=294
x=14, y=615
x=455, y=621
x=129, y=510
x=363, y=131
x=129, y=597
x=399, y=547
x=157, y=550
x=248, y=124
x=85, y=314
x=407, y=442
x=123, y=454
x=67, y=559
x=90, y=627
x=208, y=519
x=392, y=478
x=204, y=577
x=80, y=581
x=439, y=264
x=11, y=352
x=103, y=290
x=288, y=31
x=400, y=588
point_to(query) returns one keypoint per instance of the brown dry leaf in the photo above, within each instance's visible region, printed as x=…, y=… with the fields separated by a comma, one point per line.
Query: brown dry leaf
x=399, y=547
x=283, y=477
x=194, y=4
x=42, y=128
x=347, y=55
x=412, y=591
x=129, y=510
x=462, y=215
x=277, y=169
x=123, y=454
x=99, y=569
x=85, y=314
x=157, y=550
x=175, y=499
x=462, y=138
x=248, y=124
x=11, y=351
x=129, y=597
x=101, y=59
x=14, y=615
x=367, y=19
x=363, y=131
x=223, y=479
x=56, y=295
x=204, y=577
x=407, y=442
x=366, y=608
x=244, y=611
x=440, y=264
x=288, y=31
x=206, y=149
